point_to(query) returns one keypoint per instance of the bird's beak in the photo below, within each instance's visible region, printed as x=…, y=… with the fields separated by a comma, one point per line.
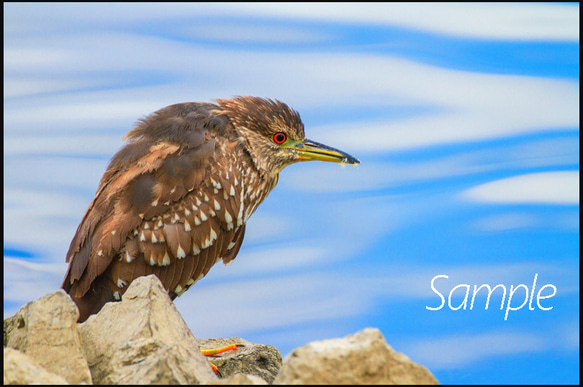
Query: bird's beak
x=310, y=150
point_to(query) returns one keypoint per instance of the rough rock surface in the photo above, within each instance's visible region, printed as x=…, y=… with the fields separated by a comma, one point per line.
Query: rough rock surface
x=362, y=358
x=46, y=331
x=238, y=379
x=143, y=340
x=20, y=369
x=251, y=359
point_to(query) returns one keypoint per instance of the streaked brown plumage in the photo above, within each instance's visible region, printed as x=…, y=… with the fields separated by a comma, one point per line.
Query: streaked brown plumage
x=174, y=200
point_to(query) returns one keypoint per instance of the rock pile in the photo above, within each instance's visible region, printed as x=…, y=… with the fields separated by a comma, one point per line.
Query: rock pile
x=144, y=340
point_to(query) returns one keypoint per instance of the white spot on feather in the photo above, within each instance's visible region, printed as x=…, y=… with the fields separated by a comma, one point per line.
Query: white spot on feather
x=129, y=258
x=166, y=260
x=229, y=220
x=178, y=290
x=180, y=252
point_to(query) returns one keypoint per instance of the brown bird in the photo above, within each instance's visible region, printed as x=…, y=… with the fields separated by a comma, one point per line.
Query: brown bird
x=175, y=199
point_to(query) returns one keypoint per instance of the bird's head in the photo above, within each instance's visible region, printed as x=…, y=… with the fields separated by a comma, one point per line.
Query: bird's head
x=274, y=134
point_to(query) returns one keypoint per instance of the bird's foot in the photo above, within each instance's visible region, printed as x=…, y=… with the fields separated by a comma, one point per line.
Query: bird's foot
x=216, y=351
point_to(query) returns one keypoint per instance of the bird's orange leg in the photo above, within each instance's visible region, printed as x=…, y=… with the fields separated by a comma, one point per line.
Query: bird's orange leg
x=216, y=351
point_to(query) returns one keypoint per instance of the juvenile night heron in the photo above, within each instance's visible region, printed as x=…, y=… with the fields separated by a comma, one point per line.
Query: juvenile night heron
x=174, y=200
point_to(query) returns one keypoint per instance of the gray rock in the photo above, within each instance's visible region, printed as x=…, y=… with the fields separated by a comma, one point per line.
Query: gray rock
x=249, y=358
x=20, y=369
x=46, y=331
x=143, y=340
x=362, y=358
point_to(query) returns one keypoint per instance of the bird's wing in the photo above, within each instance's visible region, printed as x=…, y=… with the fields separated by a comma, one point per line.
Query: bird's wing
x=181, y=245
x=149, y=180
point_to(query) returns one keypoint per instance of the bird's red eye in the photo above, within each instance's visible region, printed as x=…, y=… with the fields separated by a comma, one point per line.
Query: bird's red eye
x=279, y=138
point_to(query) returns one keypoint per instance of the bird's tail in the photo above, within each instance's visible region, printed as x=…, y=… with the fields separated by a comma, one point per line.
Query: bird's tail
x=93, y=300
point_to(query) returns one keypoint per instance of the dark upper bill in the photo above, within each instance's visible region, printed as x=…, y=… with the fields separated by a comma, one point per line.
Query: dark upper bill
x=311, y=150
